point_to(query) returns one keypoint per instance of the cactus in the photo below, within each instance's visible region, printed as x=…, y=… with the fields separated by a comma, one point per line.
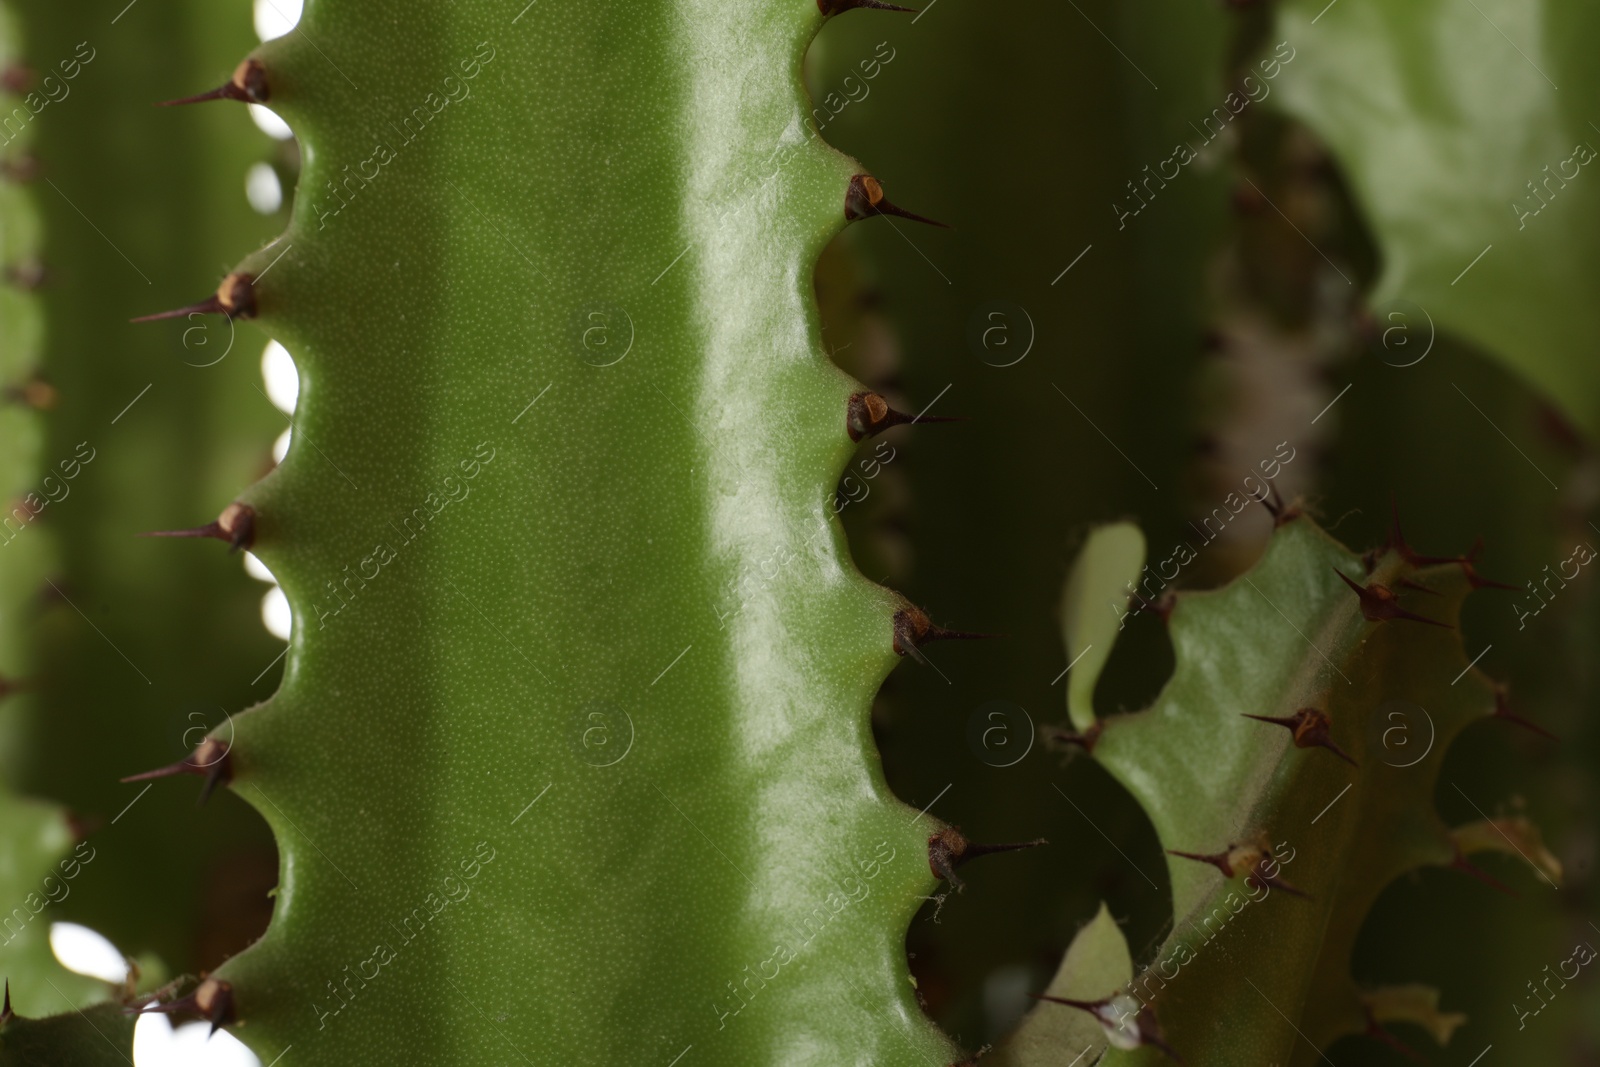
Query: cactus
x=543, y=428
x=571, y=757
x=1272, y=769
x=100, y=1036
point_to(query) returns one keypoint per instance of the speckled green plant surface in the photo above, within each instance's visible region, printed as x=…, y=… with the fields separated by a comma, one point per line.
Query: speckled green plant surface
x=1466, y=136
x=1256, y=967
x=96, y=1037
x=561, y=389
x=144, y=644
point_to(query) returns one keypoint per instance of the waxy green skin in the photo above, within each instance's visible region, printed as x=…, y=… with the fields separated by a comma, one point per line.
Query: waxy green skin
x=1286, y=635
x=446, y=698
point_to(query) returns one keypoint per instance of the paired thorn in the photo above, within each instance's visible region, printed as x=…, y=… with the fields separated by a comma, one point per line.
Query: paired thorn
x=867, y=414
x=1379, y=603
x=1461, y=863
x=236, y=526
x=913, y=629
x=1397, y=541
x=1476, y=580
x=248, y=86
x=949, y=849
x=1162, y=606
x=1311, y=728
x=1282, y=513
x=1085, y=740
x=836, y=7
x=1252, y=860
x=212, y=1000
x=1377, y=1032
x=865, y=198
x=212, y=761
x=1502, y=710
x=1115, y=1013
x=235, y=298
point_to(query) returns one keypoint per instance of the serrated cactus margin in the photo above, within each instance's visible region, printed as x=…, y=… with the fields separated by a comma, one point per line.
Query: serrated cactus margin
x=1271, y=772
x=555, y=398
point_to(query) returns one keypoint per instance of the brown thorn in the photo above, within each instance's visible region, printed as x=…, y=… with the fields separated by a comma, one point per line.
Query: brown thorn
x=1248, y=859
x=235, y=298
x=1407, y=583
x=236, y=526
x=212, y=761
x=1476, y=580
x=8, y=687
x=1161, y=607
x=1461, y=863
x=1085, y=740
x=6, y=1014
x=1502, y=710
x=913, y=629
x=867, y=414
x=1282, y=514
x=81, y=826
x=949, y=849
x=835, y=7
x=212, y=1000
x=1147, y=1028
x=1376, y=1031
x=22, y=168
x=1397, y=541
x=209, y=306
x=1218, y=860
x=1378, y=603
x=248, y=86
x=864, y=198
x=28, y=275
x=17, y=78
x=36, y=393
x=1311, y=728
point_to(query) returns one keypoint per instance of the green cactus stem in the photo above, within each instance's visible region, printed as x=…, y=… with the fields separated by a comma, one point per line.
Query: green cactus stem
x=539, y=792
x=1280, y=833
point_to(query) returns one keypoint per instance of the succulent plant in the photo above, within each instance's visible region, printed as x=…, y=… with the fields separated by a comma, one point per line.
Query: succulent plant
x=1289, y=766
x=573, y=753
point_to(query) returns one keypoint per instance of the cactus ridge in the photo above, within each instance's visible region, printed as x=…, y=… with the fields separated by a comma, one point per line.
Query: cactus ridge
x=548, y=288
x=1289, y=766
